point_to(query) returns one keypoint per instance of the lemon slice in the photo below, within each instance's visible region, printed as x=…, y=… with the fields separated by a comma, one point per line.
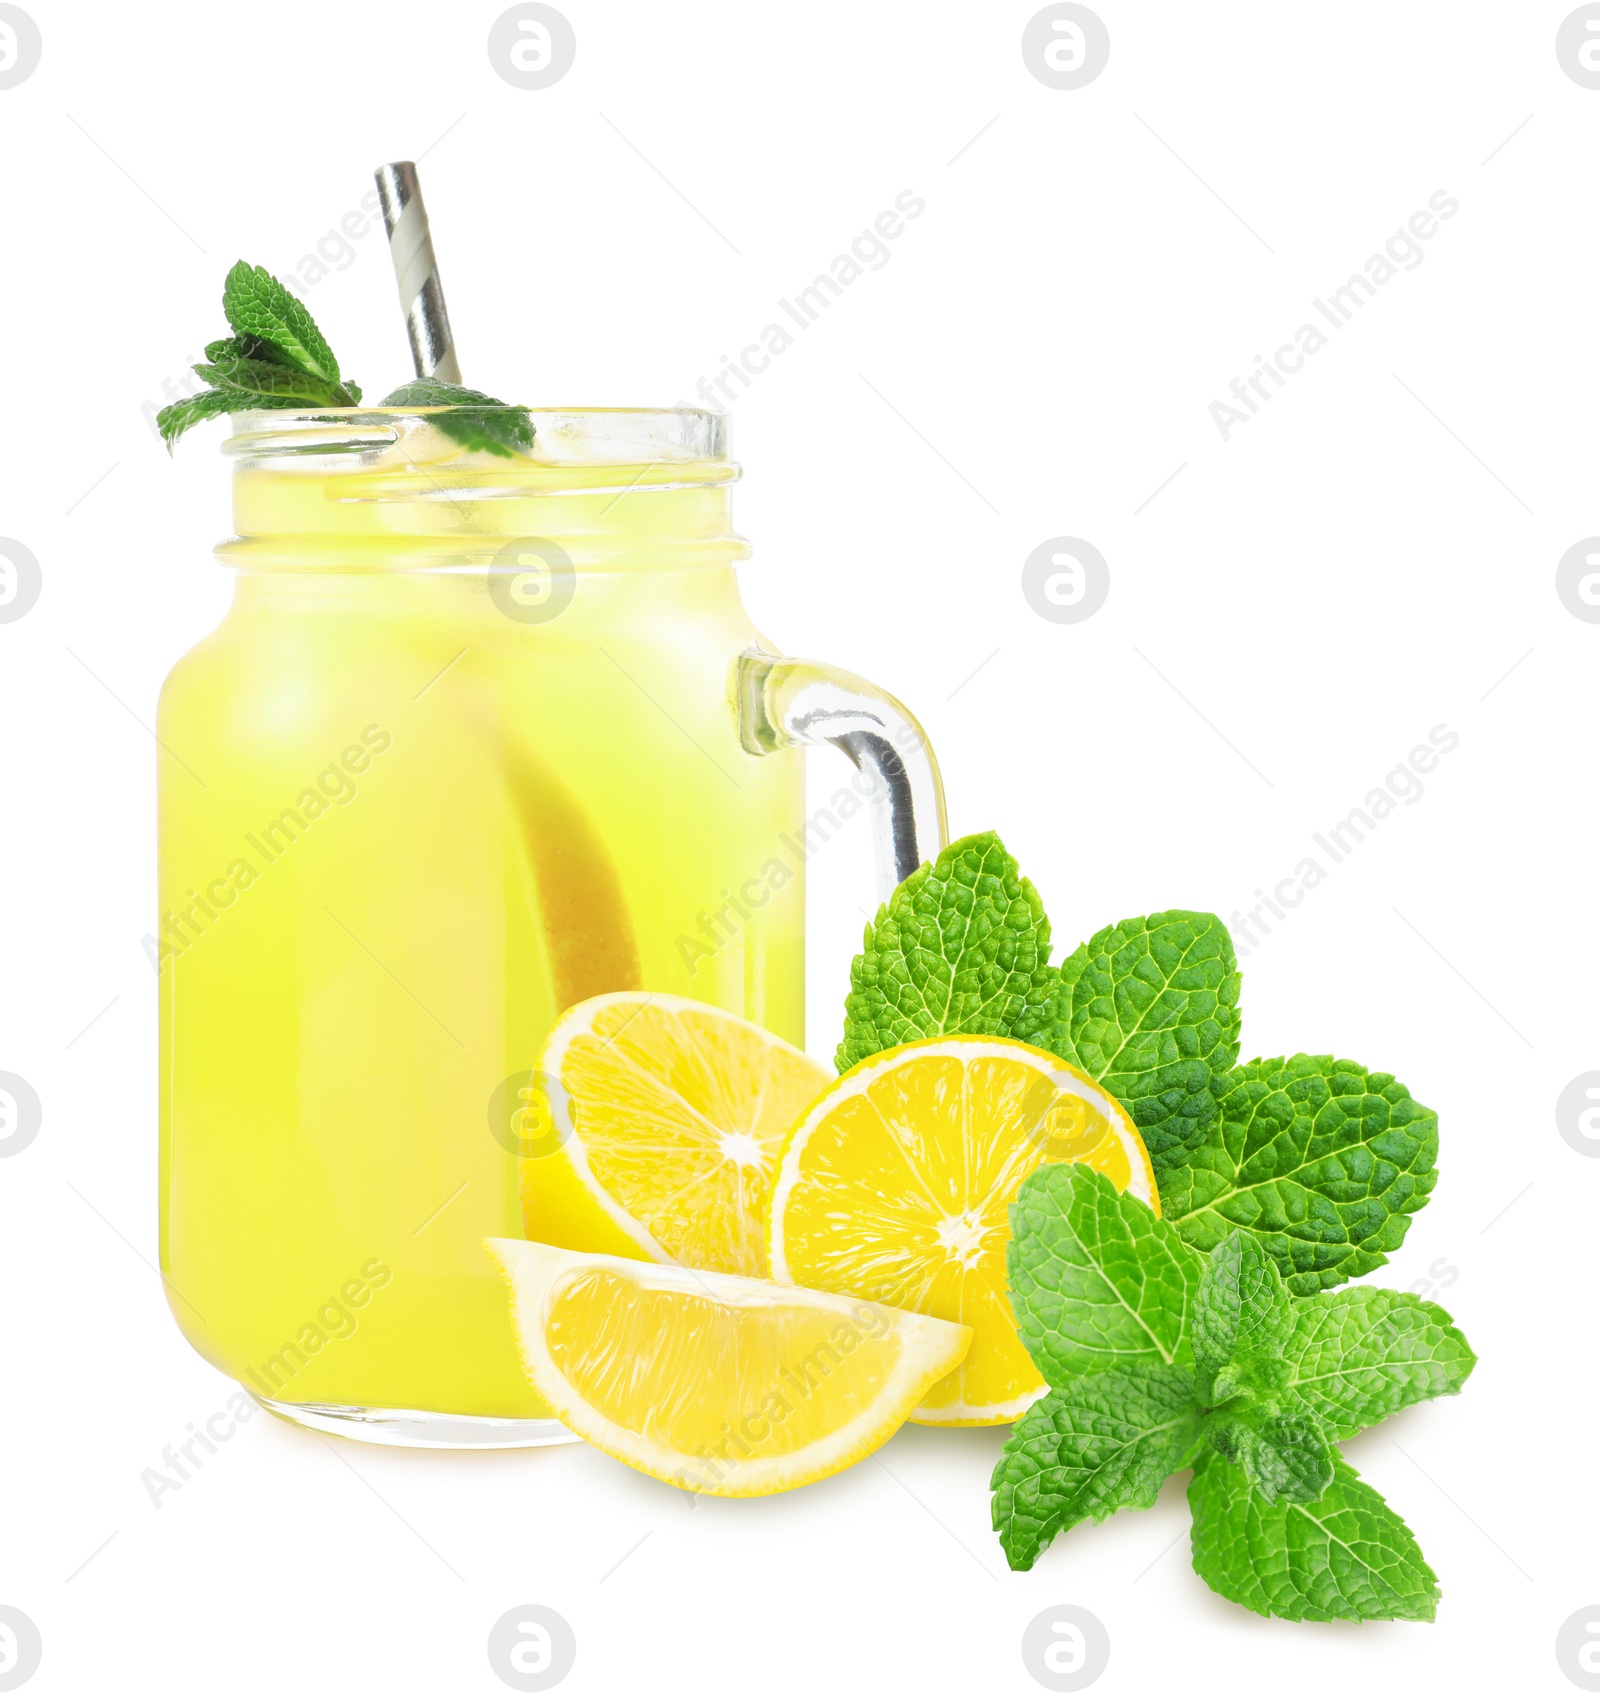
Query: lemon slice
x=722, y=1385
x=665, y=1118
x=896, y=1184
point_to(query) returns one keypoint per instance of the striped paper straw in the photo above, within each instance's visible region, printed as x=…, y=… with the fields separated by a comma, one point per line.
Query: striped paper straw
x=433, y=349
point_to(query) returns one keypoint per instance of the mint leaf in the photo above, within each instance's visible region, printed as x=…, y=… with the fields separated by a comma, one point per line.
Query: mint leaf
x=246, y=347
x=182, y=415
x=264, y=377
x=1102, y=1442
x=1286, y=1457
x=479, y=422
x=276, y=360
x=1241, y=1306
x=961, y=946
x=1150, y=1008
x=1357, y=1356
x=257, y=304
x=1347, y=1555
x=1324, y=1160
x=1096, y=1279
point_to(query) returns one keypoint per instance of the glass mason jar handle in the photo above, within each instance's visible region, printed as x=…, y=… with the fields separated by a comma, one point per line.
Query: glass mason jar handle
x=786, y=703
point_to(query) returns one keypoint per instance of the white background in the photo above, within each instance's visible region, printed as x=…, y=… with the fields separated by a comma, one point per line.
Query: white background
x=1372, y=556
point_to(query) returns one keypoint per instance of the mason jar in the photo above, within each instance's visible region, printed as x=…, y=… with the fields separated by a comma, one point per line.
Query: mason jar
x=478, y=738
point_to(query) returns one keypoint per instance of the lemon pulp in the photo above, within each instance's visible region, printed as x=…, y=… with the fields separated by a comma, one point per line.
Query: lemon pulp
x=719, y=1384
x=897, y=1183
x=665, y=1118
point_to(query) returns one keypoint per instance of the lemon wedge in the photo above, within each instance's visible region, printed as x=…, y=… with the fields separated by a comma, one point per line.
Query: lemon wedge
x=655, y=1130
x=722, y=1385
x=896, y=1185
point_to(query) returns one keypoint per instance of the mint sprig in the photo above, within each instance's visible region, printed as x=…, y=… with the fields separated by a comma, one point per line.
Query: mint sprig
x=1160, y=1358
x=1204, y=1338
x=277, y=359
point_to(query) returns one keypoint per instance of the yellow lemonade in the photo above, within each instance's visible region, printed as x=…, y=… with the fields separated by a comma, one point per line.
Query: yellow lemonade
x=464, y=751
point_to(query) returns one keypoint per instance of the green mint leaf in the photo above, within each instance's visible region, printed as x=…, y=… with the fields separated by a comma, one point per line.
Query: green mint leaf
x=1357, y=1356
x=250, y=377
x=246, y=347
x=479, y=422
x=1096, y=1279
x=257, y=304
x=184, y=414
x=1347, y=1555
x=256, y=366
x=1286, y=1457
x=961, y=946
x=1106, y=1441
x=1322, y=1159
x=1241, y=1307
x=276, y=360
x=1150, y=1008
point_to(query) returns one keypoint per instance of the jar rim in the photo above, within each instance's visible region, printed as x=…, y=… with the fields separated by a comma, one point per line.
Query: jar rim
x=576, y=436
